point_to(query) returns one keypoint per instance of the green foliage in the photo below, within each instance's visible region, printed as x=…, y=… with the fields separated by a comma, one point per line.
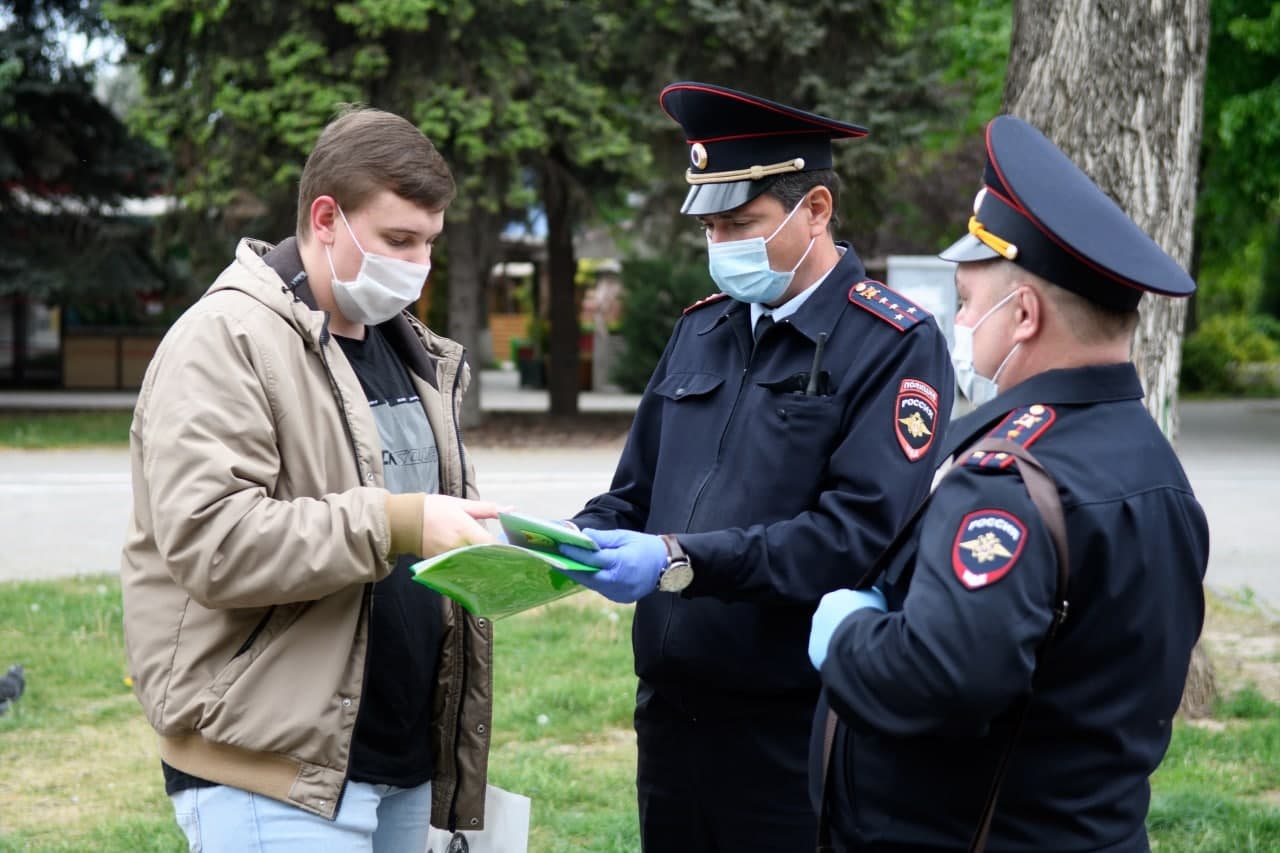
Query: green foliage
x=65, y=160
x=654, y=292
x=1238, y=209
x=1247, y=703
x=1212, y=355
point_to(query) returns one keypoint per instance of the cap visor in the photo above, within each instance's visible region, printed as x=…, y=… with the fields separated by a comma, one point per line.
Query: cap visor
x=705, y=199
x=968, y=248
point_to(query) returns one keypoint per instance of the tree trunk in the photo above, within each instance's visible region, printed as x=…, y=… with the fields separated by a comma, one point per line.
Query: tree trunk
x=562, y=267
x=1118, y=86
x=472, y=250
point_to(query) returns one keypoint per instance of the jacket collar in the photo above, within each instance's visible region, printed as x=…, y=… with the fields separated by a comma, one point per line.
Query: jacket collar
x=1106, y=383
x=409, y=343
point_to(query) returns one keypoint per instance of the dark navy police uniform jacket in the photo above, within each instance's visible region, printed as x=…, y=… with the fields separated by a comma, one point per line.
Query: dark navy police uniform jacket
x=777, y=496
x=923, y=692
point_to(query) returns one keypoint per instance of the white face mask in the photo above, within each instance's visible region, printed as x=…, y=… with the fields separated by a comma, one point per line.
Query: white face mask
x=976, y=388
x=382, y=288
x=741, y=268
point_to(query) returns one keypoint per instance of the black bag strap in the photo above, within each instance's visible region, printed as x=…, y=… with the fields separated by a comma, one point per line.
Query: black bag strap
x=1043, y=492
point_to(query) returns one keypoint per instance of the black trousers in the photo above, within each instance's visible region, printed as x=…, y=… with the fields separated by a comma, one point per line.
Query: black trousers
x=723, y=774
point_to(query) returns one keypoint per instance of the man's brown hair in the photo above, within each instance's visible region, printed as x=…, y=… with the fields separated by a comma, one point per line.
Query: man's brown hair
x=364, y=151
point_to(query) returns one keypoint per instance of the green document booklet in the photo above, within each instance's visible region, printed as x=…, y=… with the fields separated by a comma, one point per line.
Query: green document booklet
x=500, y=580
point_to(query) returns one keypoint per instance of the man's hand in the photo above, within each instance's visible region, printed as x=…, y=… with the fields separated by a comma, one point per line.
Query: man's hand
x=832, y=610
x=449, y=522
x=629, y=563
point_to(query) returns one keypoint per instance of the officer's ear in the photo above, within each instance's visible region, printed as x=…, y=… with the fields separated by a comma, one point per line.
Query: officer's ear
x=1029, y=303
x=820, y=210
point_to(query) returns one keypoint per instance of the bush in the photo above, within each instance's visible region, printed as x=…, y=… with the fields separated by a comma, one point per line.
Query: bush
x=654, y=292
x=1213, y=355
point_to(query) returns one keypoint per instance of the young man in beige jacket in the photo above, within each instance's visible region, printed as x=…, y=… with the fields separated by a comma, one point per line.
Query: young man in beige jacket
x=295, y=446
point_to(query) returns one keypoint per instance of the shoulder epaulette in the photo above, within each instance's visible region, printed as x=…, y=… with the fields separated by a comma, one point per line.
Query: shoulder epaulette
x=705, y=300
x=894, y=308
x=1022, y=426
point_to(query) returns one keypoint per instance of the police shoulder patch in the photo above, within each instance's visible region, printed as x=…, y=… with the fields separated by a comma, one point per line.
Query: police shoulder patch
x=987, y=546
x=1022, y=426
x=896, y=310
x=915, y=416
x=706, y=300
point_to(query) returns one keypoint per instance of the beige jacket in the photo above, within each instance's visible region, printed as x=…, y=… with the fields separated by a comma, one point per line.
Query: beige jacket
x=259, y=523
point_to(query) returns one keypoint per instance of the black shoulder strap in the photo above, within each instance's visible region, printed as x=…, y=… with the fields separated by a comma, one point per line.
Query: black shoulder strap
x=1044, y=495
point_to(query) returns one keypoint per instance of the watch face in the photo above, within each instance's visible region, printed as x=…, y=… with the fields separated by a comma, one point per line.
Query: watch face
x=676, y=577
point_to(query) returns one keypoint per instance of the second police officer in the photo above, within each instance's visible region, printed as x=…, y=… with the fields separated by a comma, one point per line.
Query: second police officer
x=788, y=430
x=978, y=672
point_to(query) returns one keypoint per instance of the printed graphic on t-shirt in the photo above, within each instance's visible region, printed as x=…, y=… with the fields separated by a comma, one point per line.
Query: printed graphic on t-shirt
x=410, y=459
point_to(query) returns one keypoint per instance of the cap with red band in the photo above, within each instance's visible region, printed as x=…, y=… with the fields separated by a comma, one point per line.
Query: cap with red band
x=1040, y=211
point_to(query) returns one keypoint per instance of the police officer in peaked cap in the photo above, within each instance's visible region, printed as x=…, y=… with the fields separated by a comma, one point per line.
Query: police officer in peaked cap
x=789, y=428
x=1008, y=670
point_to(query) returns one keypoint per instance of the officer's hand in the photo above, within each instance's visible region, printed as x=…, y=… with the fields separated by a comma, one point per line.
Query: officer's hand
x=629, y=563
x=449, y=522
x=832, y=610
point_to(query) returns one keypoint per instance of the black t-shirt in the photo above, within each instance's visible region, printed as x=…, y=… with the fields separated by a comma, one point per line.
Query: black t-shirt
x=392, y=743
x=392, y=740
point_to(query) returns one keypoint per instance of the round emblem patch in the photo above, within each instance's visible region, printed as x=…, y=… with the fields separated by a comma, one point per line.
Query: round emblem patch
x=987, y=545
x=915, y=417
x=698, y=155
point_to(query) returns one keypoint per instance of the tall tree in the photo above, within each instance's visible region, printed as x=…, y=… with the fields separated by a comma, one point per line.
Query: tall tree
x=509, y=92
x=1118, y=86
x=65, y=162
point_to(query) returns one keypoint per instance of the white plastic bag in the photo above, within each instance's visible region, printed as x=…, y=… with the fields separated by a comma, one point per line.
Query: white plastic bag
x=506, y=828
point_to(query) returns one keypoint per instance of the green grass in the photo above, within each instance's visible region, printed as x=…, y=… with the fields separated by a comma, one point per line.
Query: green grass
x=78, y=763
x=44, y=430
x=78, y=767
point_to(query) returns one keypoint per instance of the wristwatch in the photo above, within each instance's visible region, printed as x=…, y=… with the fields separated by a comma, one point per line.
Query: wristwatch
x=678, y=573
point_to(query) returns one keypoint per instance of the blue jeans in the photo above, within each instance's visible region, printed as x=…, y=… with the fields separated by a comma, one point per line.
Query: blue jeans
x=372, y=819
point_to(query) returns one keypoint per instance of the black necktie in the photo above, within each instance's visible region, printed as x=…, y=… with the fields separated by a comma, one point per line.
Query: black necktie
x=763, y=325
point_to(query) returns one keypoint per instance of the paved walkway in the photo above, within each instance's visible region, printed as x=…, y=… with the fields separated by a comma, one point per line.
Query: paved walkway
x=64, y=512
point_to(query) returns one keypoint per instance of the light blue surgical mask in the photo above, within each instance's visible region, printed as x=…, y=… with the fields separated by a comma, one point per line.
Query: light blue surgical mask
x=976, y=388
x=741, y=268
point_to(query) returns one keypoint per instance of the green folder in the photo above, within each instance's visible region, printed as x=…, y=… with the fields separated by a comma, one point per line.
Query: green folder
x=499, y=580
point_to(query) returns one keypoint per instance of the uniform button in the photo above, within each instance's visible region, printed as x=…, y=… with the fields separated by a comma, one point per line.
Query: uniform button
x=782, y=413
x=481, y=622
x=346, y=703
x=679, y=392
x=369, y=477
x=474, y=821
x=480, y=728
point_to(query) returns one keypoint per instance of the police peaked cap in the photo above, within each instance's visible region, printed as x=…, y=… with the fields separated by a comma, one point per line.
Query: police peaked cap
x=739, y=143
x=1039, y=210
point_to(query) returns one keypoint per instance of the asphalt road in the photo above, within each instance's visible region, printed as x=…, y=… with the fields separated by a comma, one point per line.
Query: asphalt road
x=65, y=512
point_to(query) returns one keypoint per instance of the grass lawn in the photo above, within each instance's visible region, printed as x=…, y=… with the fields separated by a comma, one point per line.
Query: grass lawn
x=46, y=430
x=78, y=766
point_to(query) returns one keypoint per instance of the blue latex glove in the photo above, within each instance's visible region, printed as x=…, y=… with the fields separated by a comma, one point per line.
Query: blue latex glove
x=832, y=610
x=629, y=563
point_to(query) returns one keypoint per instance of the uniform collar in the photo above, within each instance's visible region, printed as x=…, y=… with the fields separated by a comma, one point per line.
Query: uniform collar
x=1107, y=383
x=822, y=305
